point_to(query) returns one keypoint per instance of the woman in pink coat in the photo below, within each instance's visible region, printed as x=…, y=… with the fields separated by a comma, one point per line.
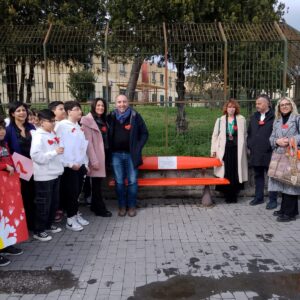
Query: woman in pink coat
x=95, y=129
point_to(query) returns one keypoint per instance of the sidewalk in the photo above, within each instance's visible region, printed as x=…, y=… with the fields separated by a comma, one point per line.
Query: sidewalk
x=114, y=256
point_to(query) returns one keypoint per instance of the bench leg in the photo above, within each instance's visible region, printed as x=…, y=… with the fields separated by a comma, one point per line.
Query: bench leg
x=206, y=197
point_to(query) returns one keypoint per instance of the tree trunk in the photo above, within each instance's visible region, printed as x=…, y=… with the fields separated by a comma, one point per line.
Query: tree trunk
x=181, y=122
x=133, y=78
x=11, y=76
x=22, y=81
x=30, y=80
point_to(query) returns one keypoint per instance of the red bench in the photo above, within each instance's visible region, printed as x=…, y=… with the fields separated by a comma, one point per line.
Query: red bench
x=156, y=163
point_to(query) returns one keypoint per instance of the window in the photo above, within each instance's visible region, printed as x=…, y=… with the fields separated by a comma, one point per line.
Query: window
x=154, y=97
x=153, y=77
x=162, y=100
x=122, y=91
x=161, y=79
x=122, y=70
x=170, y=101
x=104, y=91
x=170, y=81
x=50, y=85
x=103, y=64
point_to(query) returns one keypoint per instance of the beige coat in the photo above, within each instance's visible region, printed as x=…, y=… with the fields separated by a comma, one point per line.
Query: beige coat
x=218, y=143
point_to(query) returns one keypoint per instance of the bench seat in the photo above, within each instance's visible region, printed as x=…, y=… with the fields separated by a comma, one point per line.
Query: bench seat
x=184, y=181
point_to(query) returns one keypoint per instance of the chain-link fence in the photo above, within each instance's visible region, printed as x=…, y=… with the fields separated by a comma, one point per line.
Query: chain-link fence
x=177, y=75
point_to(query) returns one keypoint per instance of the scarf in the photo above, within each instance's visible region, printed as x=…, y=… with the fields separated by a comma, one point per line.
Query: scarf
x=122, y=117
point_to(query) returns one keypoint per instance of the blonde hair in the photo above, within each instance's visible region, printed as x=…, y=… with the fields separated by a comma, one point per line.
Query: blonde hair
x=277, y=110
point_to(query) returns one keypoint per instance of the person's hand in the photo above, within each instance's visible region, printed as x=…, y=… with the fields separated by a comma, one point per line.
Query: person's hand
x=214, y=154
x=87, y=169
x=10, y=170
x=75, y=167
x=96, y=166
x=59, y=150
x=282, y=142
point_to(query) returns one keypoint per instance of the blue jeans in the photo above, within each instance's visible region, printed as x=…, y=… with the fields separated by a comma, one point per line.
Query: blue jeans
x=123, y=169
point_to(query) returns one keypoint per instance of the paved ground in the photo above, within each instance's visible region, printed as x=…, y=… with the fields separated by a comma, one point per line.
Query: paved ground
x=225, y=247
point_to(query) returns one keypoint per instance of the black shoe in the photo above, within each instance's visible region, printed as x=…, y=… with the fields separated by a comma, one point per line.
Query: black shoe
x=105, y=214
x=271, y=205
x=285, y=218
x=11, y=250
x=277, y=213
x=4, y=261
x=256, y=202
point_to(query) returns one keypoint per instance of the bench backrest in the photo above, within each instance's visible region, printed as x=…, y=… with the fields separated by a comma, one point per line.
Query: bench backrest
x=178, y=162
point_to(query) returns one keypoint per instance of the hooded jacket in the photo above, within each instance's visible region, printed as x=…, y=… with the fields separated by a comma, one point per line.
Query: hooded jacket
x=47, y=163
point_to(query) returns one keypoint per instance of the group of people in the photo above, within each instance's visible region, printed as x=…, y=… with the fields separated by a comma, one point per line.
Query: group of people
x=66, y=147
x=268, y=131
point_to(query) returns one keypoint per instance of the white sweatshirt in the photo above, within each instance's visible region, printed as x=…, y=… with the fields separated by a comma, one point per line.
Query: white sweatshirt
x=73, y=140
x=47, y=163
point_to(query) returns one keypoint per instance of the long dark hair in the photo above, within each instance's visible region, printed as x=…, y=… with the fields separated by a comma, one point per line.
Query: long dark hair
x=12, y=109
x=93, y=108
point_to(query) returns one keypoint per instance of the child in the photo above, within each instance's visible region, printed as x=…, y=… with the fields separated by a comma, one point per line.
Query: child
x=58, y=108
x=75, y=162
x=45, y=153
x=6, y=164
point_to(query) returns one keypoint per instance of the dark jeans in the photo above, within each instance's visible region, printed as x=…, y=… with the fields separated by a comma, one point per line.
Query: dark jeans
x=27, y=191
x=259, y=176
x=97, y=205
x=46, y=203
x=71, y=185
x=123, y=169
x=289, y=205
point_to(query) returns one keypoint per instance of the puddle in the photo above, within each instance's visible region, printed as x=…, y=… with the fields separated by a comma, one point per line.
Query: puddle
x=265, y=285
x=36, y=282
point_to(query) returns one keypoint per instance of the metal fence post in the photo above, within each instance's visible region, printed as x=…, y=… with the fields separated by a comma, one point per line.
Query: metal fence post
x=225, y=59
x=46, y=61
x=166, y=87
x=285, y=58
x=106, y=62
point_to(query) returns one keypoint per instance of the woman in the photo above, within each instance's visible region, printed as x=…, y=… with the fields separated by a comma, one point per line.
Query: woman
x=95, y=129
x=18, y=138
x=229, y=145
x=286, y=125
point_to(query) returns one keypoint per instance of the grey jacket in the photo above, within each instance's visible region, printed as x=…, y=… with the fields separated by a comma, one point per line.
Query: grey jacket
x=292, y=130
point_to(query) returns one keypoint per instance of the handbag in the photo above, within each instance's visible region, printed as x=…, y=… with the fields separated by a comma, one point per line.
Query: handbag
x=285, y=167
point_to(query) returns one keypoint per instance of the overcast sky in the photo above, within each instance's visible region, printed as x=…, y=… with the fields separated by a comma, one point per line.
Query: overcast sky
x=292, y=17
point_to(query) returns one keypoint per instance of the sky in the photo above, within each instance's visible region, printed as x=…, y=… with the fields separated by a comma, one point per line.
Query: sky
x=292, y=16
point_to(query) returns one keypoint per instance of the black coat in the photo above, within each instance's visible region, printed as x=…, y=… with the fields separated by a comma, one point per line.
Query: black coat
x=258, y=139
x=138, y=135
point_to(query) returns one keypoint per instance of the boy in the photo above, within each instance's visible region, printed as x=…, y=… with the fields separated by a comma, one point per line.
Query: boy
x=58, y=108
x=75, y=162
x=47, y=167
x=6, y=164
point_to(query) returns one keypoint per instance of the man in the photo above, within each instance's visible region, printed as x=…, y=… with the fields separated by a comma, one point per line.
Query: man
x=259, y=131
x=127, y=136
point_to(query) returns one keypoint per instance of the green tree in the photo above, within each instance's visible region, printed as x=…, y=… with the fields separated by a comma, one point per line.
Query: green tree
x=150, y=12
x=81, y=85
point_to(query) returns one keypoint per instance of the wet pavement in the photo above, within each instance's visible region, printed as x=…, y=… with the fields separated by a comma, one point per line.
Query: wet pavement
x=172, y=250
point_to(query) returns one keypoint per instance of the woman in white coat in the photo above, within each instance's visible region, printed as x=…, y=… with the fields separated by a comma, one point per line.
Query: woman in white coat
x=229, y=145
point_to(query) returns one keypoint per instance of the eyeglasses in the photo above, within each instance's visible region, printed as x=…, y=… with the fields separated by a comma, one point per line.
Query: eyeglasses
x=285, y=104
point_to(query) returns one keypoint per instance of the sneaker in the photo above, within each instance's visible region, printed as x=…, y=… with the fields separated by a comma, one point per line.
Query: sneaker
x=132, y=212
x=4, y=261
x=54, y=229
x=81, y=220
x=72, y=224
x=122, y=212
x=11, y=250
x=42, y=236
